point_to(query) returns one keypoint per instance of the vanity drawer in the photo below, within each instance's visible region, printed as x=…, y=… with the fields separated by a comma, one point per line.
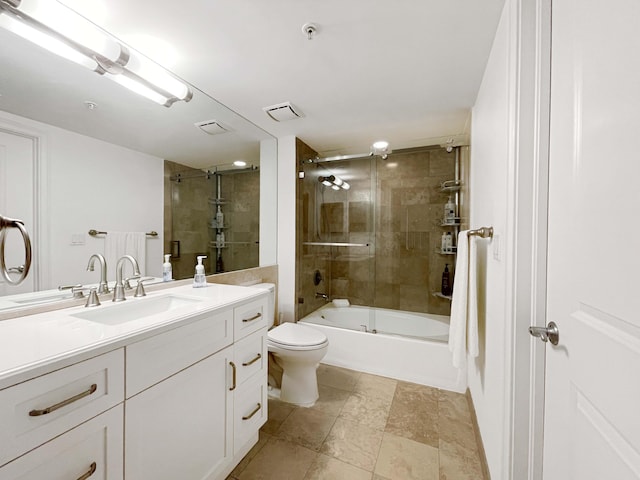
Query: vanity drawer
x=250, y=356
x=250, y=410
x=154, y=359
x=250, y=317
x=37, y=410
x=94, y=448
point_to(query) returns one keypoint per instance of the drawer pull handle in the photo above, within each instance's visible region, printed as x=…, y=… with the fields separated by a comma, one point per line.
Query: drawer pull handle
x=255, y=317
x=91, y=471
x=233, y=367
x=252, y=361
x=255, y=410
x=64, y=403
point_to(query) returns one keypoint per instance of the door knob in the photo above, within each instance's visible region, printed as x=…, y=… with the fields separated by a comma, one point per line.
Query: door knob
x=548, y=333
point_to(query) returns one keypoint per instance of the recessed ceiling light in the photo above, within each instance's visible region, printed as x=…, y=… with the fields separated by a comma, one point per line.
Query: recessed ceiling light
x=380, y=145
x=240, y=163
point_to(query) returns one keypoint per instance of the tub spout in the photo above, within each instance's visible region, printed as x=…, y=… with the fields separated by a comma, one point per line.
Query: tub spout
x=322, y=295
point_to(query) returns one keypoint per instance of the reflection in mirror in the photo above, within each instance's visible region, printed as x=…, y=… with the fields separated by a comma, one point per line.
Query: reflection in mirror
x=79, y=152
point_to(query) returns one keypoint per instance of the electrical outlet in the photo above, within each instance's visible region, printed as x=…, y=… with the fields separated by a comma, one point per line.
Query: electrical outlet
x=77, y=239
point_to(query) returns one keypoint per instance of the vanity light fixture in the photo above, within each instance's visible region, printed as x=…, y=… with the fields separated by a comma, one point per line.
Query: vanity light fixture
x=62, y=31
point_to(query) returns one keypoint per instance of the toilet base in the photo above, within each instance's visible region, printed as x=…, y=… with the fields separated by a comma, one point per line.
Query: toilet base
x=299, y=386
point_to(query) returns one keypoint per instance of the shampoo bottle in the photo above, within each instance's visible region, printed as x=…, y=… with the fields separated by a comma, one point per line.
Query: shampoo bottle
x=199, y=279
x=443, y=243
x=219, y=218
x=446, y=281
x=449, y=242
x=450, y=212
x=167, y=273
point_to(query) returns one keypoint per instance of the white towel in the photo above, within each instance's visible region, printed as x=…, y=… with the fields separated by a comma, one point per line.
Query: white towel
x=463, y=328
x=117, y=244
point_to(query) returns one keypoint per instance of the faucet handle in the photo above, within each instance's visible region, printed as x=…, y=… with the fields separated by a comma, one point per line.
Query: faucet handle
x=127, y=285
x=140, y=288
x=76, y=290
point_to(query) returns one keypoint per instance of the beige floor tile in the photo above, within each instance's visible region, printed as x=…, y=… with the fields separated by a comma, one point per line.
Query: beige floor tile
x=328, y=468
x=370, y=411
x=331, y=400
x=414, y=413
x=307, y=427
x=337, y=377
x=279, y=460
x=458, y=463
x=375, y=386
x=454, y=421
x=278, y=413
x=262, y=441
x=353, y=443
x=404, y=459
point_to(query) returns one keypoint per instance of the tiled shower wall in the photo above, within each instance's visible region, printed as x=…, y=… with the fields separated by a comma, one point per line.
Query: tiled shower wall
x=396, y=207
x=188, y=214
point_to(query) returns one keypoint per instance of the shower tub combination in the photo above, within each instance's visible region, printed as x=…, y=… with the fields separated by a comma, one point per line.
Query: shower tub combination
x=402, y=345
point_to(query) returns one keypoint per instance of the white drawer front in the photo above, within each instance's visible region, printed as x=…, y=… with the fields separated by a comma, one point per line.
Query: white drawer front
x=250, y=356
x=37, y=410
x=250, y=410
x=94, y=447
x=250, y=317
x=154, y=359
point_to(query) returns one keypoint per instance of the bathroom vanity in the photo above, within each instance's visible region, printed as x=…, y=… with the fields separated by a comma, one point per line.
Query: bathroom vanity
x=172, y=385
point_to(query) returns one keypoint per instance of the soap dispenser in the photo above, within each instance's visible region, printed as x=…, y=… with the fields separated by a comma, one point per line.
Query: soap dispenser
x=446, y=282
x=167, y=272
x=199, y=279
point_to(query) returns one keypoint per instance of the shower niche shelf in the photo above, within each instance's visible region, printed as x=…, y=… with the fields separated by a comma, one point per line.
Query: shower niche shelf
x=450, y=186
x=442, y=252
x=216, y=201
x=440, y=295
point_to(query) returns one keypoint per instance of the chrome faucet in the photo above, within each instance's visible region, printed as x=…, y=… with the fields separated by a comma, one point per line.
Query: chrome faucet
x=118, y=290
x=322, y=295
x=103, y=287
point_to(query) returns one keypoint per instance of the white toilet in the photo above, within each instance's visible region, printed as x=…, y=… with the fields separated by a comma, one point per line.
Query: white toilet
x=296, y=350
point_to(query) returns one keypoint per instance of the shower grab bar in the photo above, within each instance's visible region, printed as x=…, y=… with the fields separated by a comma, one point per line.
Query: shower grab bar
x=483, y=232
x=336, y=244
x=5, y=224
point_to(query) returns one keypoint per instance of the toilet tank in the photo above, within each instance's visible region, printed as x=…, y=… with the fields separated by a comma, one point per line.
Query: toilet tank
x=271, y=288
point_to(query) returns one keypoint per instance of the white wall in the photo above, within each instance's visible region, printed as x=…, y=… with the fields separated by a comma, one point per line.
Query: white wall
x=490, y=158
x=90, y=184
x=287, y=227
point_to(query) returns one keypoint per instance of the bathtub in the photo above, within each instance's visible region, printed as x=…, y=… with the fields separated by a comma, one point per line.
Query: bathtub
x=402, y=345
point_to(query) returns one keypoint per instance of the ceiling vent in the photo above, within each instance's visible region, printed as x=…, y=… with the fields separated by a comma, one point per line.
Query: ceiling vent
x=212, y=127
x=283, y=112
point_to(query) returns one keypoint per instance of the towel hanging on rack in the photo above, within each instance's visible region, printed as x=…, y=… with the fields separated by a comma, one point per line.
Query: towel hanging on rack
x=463, y=328
x=117, y=244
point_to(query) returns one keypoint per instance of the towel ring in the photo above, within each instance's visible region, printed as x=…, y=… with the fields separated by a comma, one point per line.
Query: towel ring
x=5, y=224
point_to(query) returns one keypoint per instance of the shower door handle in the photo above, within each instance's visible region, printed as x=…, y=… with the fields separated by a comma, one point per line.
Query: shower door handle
x=549, y=333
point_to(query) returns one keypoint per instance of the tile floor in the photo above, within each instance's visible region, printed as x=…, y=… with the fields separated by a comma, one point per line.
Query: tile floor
x=366, y=427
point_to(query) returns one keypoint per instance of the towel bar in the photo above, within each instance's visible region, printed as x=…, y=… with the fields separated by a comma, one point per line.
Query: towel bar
x=483, y=232
x=93, y=233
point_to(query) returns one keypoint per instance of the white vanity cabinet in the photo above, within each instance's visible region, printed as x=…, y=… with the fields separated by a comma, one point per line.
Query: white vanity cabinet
x=196, y=396
x=184, y=400
x=35, y=411
x=91, y=451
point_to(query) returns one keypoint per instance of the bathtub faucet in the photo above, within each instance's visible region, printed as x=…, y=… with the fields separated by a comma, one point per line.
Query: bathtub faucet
x=322, y=295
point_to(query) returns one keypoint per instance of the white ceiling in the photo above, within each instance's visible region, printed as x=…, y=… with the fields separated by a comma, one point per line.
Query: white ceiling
x=402, y=70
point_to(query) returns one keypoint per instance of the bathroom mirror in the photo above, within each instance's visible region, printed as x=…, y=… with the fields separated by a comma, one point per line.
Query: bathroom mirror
x=78, y=152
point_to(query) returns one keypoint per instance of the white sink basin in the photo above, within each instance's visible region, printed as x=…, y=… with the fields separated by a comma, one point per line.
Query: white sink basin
x=136, y=309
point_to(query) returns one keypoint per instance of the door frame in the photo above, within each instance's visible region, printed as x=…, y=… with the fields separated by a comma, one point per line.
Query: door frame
x=528, y=174
x=40, y=236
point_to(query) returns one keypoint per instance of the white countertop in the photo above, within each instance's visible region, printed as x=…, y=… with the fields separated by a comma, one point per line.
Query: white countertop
x=35, y=344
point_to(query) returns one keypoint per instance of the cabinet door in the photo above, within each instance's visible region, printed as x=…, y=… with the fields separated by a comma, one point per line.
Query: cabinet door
x=181, y=427
x=90, y=451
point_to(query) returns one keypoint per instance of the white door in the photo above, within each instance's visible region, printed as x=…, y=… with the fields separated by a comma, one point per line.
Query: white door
x=17, y=174
x=592, y=397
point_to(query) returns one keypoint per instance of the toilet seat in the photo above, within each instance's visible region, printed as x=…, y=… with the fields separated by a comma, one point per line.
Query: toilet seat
x=293, y=336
